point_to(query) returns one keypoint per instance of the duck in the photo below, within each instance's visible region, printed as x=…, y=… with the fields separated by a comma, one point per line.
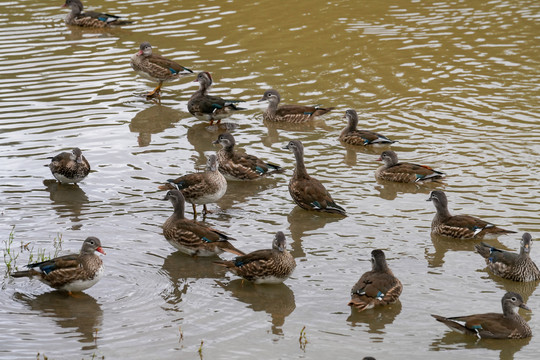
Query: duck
x=403, y=172
x=237, y=166
x=156, y=68
x=460, y=226
x=71, y=273
x=377, y=287
x=200, y=188
x=70, y=167
x=191, y=237
x=207, y=107
x=268, y=266
x=289, y=113
x=306, y=191
x=508, y=265
x=508, y=325
x=90, y=19
x=352, y=136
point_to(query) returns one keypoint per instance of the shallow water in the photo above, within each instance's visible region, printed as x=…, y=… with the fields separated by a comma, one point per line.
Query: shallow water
x=455, y=82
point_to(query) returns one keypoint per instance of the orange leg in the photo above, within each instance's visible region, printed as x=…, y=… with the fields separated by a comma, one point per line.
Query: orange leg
x=155, y=92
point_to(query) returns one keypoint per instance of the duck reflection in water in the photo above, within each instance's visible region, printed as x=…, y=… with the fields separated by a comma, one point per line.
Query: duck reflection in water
x=82, y=313
x=390, y=190
x=200, y=137
x=376, y=319
x=276, y=300
x=302, y=223
x=183, y=270
x=443, y=244
x=153, y=120
x=454, y=341
x=68, y=199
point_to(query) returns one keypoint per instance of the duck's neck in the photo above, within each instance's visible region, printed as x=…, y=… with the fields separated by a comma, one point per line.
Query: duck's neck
x=300, y=170
x=272, y=108
x=442, y=211
x=179, y=210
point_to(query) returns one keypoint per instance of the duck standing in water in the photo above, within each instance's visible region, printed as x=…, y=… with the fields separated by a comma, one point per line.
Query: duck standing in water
x=69, y=167
x=90, y=19
x=72, y=273
x=191, y=237
x=268, y=266
x=508, y=325
x=294, y=114
x=306, y=191
x=207, y=107
x=156, y=68
x=460, y=226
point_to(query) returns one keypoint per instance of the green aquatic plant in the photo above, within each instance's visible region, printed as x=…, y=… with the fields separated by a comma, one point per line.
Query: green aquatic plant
x=10, y=254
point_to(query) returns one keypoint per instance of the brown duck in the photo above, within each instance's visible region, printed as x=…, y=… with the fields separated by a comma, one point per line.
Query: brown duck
x=351, y=135
x=90, y=19
x=156, y=68
x=377, y=287
x=269, y=266
x=200, y=188
x=306, y=191
x=72, y=273
x=207, y=107
x=508, y=265
x=191, y=237
x=508, y=325
x=404, y=172
x=240, y=166
x=289, y=113
x=460, y=226
x=70, y=167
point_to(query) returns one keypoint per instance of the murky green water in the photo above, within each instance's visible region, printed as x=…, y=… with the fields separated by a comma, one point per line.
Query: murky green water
x=455, y=82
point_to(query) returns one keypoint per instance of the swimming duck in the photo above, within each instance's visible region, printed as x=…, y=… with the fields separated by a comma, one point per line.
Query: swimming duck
x=72, y=273
x=200, y=188
x=460, y=226
x=377, y=287
x=268, y=266
x=191, y=237
x=508, y=265
x=70, y=167
x=393, y=170
x=156, y=67
x=239, y=166
x=508, y=325
x=306, y=191
x=351, y=135
x=207, y=107
x=90, y=18
x=289, y=113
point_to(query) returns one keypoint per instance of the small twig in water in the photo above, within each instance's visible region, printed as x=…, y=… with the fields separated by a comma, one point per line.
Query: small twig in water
x=303, y=339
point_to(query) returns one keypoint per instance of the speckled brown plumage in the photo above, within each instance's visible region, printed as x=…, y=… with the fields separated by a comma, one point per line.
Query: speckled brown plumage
x=508, y=325
x=393, y=170
x=289, y=113
x=207, y=107
x=459, y=226
x=264, y=266
x=90, y=19
x=351, y=135
x=156, y=67
x=75, y=272
x=70, y=167
x=306, y=191
x=377, y=287
x=191, y=237
x=508, y=265
x=200, y=188
x=240, y=166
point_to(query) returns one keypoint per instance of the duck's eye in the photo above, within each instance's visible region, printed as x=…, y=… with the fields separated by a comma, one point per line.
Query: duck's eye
x=513, y=299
